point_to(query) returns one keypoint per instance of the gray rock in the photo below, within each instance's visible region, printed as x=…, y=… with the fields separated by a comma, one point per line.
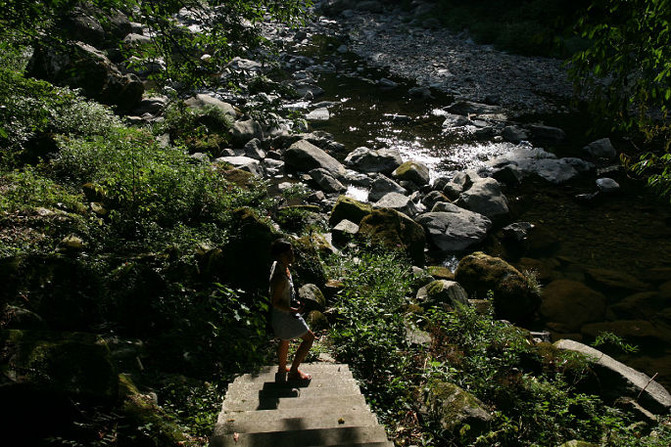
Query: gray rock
x=253, y=149
x=326, y=181
x=382, y=186
x=442, y=291
x=607, y=185
x=244, y=131
x=514, y=134
x=202, y=100
x=312, y=297
x=461, y=182
x=398, y=202
x=372, y=161
x=320, y=114
x=136, y=40
x=547, y=134
x=458, y=412
x=485, y=197
x=537, y=162
x=82, y=66
x=303, y=156
x=344, y=232
x=434, y=197
x=452, y=120
x=602, y=148
x=244, y=163
x=358, y=179
x=617, y=379
x=387, y=83
x=452, y=228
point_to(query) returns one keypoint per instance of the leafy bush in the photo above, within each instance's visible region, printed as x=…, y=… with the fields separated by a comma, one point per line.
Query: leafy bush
x=369, y=331
x=33, y=112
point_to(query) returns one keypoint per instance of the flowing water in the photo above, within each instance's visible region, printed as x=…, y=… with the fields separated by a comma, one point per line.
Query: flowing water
x=628, y=233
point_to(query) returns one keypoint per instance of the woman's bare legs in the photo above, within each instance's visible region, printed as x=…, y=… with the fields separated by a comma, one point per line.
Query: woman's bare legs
x=282, y=351
x=294, y=373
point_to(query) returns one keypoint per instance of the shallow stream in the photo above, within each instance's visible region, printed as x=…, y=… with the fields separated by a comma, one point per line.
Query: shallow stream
x=628, y=234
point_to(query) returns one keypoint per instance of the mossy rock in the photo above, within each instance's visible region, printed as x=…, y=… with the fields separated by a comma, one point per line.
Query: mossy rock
x=317, y=321
x=515, y=297
x=349, y=209
x=457, y=411
x=440, y=272
x=75, y=364
x=148, y=424
x=442, y=292
x=414, y=172
x=395, y=231
x=308, y=267
x=238, y=177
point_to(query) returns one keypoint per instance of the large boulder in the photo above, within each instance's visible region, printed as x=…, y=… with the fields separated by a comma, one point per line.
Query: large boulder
x=367, y=160
x=312, y=297
x=485, y=197
x=457, y=411
x=202, y=101
x=82, y=66
x=303, y=156
x=441, y=291
x=602, y=148
x=515, y=297
x=615, y=379
x=347, y=208
x=571, y=304
x=536, y=162
x=395, y=230
x=453, y=229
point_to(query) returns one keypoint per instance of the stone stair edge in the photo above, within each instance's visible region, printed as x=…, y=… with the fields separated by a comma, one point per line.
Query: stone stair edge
x=355, y=435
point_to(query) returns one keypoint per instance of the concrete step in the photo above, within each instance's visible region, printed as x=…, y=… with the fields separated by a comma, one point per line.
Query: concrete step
x=273, y=390
x=320, y=374
x=304, y=438
x=294, y=419
x=276, y=403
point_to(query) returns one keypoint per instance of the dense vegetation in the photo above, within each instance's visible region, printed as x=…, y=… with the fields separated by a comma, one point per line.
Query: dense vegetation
x=113, y=254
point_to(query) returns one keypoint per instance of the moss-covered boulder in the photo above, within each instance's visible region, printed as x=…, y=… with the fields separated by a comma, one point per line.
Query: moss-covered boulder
x=308, y=267
x=516, y=298
x=312, y=297
x=442, y=292
x=414, y=172
x=394, y=230
x=347, y=208
x=148, y=424
x=457, y=411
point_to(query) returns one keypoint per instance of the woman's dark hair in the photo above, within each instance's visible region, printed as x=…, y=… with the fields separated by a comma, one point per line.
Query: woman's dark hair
x=280, y=246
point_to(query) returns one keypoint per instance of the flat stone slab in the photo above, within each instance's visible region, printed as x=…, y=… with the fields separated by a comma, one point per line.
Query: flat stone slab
x=653, y=396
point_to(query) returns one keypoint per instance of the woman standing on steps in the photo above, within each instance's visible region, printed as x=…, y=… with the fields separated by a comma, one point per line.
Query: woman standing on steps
x=286, y=319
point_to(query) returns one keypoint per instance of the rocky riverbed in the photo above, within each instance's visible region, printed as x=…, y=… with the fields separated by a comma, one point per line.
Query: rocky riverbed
x=424, y=127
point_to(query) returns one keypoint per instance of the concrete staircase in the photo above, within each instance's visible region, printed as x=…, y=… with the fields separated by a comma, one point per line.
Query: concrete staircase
x=328, y=410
